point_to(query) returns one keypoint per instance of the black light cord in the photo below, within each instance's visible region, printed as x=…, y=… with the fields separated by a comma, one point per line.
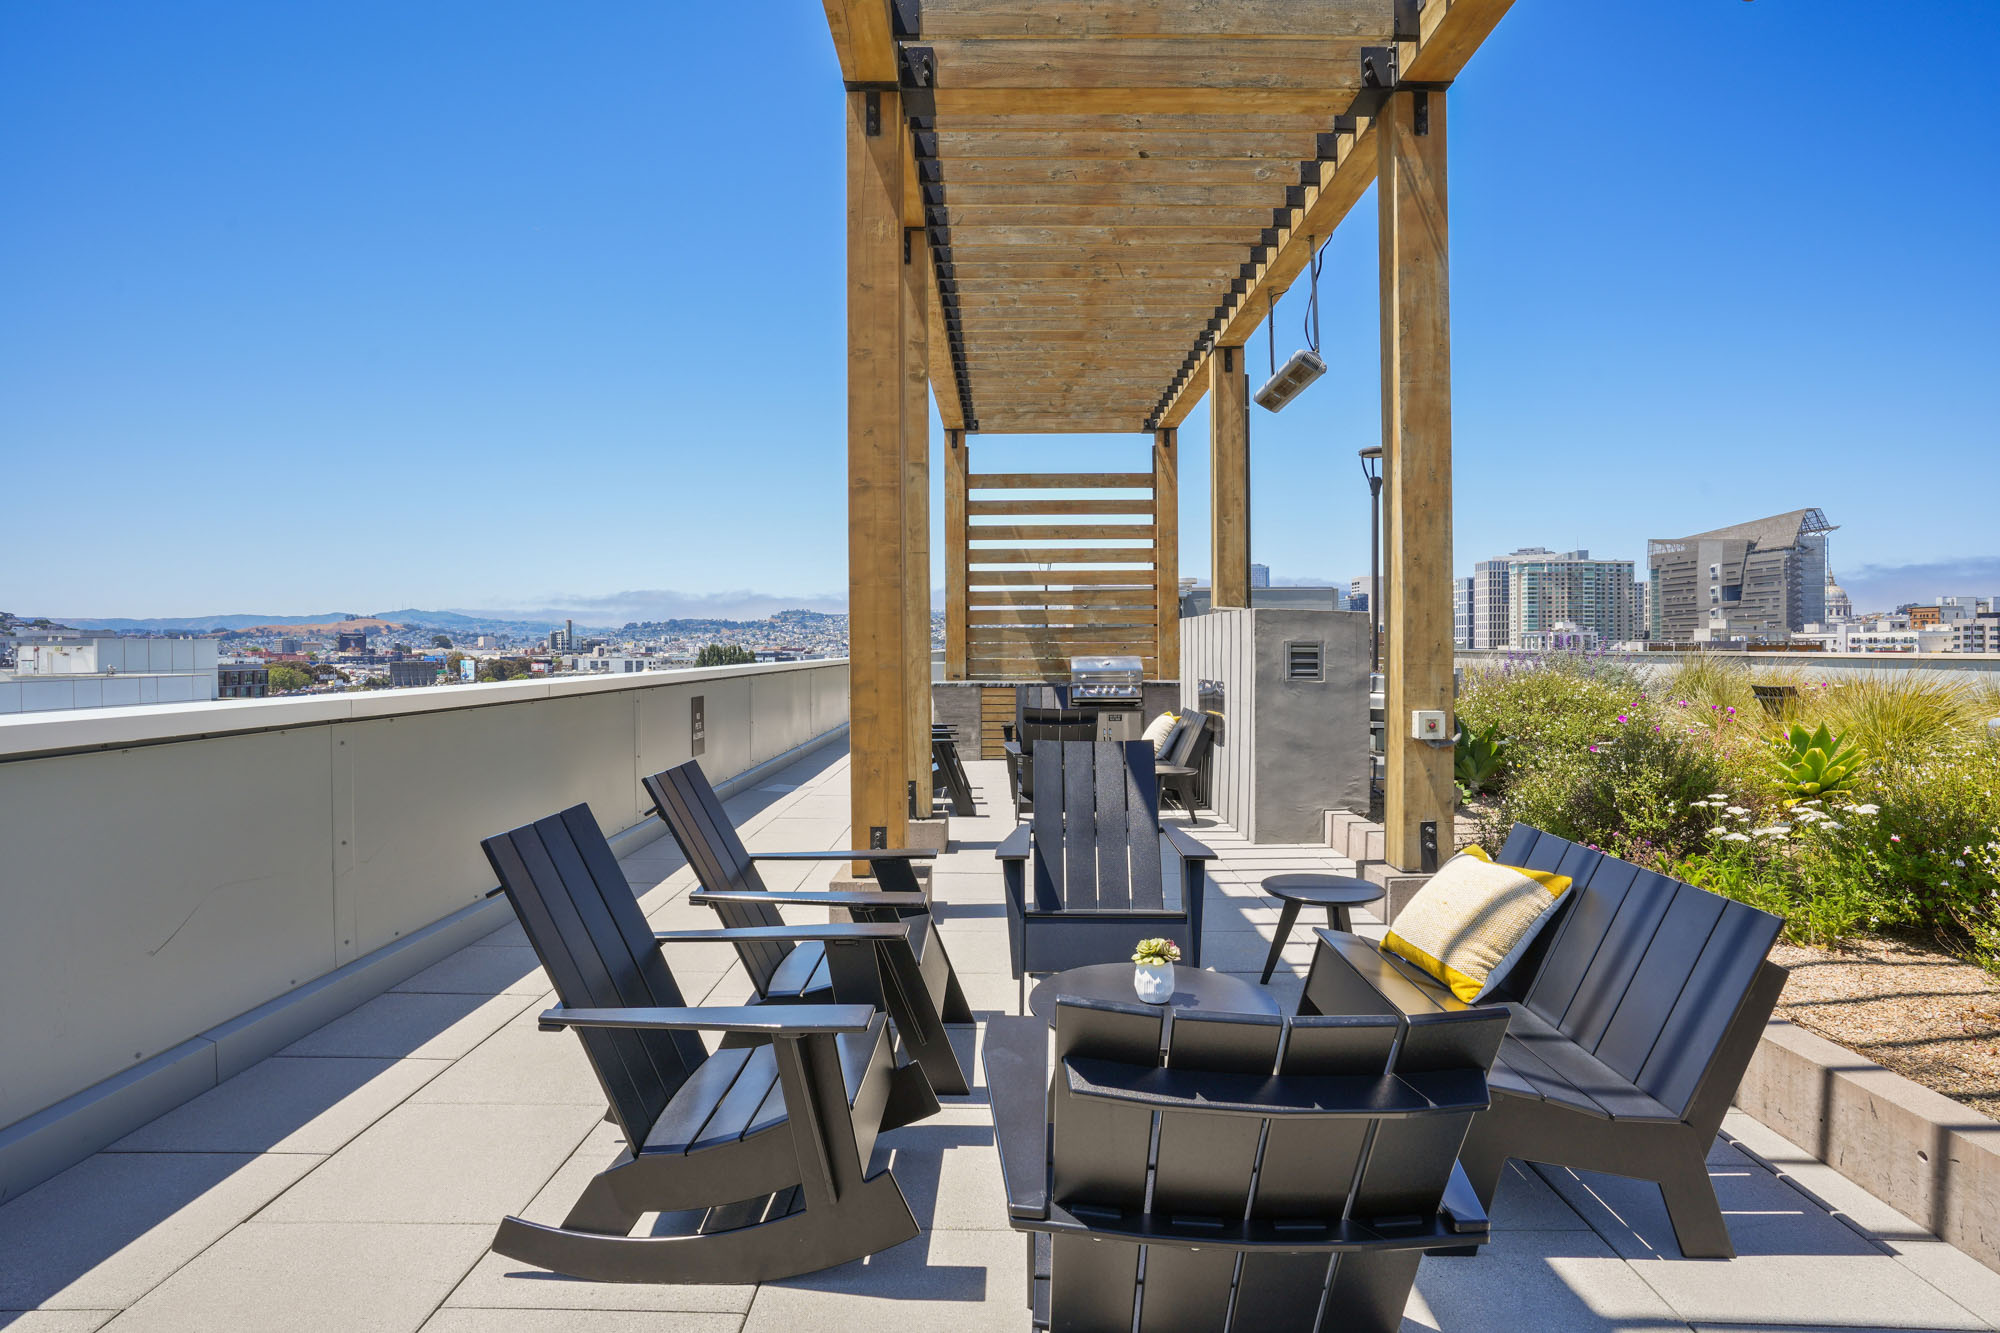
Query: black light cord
x=1318, y=257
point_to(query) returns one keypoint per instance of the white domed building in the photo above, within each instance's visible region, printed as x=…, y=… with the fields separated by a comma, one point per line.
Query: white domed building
x=1838, y=605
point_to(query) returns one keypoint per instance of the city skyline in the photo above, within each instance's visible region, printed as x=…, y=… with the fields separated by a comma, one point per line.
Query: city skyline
x=430, y=324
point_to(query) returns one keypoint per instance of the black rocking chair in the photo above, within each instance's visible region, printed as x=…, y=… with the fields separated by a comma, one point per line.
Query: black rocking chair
x=923, y=992
x=764, y=1144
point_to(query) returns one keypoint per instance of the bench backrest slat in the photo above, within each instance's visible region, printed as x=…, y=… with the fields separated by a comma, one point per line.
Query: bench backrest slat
x=687, y=803
x=1608, y=975
x=1578, y=937
x=1735, y=950
x=1096, y=827
x=1658, y=980
x=578, y=912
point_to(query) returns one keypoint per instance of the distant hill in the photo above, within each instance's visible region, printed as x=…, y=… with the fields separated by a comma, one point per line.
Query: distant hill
x=184, y=624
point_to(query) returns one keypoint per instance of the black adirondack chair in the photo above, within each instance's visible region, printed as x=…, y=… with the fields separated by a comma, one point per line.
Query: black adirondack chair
x=1301, y=1166
x=948, y=776
x=923, y=992
x=1179, y=767
x=765, y=1143
x=1040, y=724
x=1628, y=1035
x=1094, y=872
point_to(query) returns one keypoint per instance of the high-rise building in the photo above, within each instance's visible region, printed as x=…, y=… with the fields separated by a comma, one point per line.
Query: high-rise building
x=287, y=644
x=1360, y=593
x=1761, y=580
x=1573, y=594
x=1563, y=588
x=1491, y=587
x=1461, y=612
x=564, y=639
x=1260, y=576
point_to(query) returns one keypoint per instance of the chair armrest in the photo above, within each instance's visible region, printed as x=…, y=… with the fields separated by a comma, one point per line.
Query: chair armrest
x=811, y=897
x=852, y=854
x=1185, y=847
x=1016, y=1057
x=858, y=930
x=1460, y=1205
x=1173, y=770
x=772, y=1020
x=1012, y=747
x=1016, y=846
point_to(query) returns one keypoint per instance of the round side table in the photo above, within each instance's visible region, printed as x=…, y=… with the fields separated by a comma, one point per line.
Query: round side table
x=1336, y=893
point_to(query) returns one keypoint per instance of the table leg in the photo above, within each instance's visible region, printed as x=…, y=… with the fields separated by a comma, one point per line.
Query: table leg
x=1336, y=916
x=1285, y=920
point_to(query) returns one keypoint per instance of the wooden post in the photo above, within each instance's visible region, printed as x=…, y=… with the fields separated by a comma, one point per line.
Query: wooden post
x=878, y=671
x=1416, y=446
x=1167, y=551
x=1229, y=478
x=957, y=625
x=917, y=508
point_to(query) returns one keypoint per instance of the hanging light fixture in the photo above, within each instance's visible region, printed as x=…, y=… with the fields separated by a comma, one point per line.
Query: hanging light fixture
x=1303, y=366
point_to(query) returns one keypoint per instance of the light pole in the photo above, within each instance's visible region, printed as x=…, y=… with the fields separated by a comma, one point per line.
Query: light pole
x=1371, y=468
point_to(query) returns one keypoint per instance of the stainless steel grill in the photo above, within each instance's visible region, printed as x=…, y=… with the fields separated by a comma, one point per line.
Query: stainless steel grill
x=1100, y=680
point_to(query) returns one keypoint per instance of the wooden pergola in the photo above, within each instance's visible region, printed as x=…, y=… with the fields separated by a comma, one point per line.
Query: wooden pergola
x=1070, y=216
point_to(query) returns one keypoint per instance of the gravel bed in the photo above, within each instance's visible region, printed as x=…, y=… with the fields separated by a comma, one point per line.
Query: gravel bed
x=1932, y=1018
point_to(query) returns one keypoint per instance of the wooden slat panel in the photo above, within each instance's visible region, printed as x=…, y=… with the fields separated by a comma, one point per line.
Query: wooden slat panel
x=1004, y=270
x=1087, y=193
x=1121, y=145
x=1040, y=616
x=997, y=641
x=1061, y=481
x=1331, y=101
x=1059, y=532
x=1186, y=64
x=1232, y=171
x=1140, y=18
x=1017, y=667
x=1137, y=598
x=1011, y=578
x=1056, y=555
x=1001, y=422
x=916, y=582
x=1249, y=211
x=1049, y=508
x=1195, y=234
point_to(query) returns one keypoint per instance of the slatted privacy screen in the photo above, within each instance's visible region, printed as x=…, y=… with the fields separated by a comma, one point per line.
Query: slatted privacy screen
x=1060, y=565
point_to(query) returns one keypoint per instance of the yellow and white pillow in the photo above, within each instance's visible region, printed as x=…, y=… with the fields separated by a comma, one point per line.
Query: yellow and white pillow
x=1471, y=923
x=1157, y=732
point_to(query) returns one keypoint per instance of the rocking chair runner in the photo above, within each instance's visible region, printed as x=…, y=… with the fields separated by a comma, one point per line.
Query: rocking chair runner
x=785, y=1114
x=923, y=992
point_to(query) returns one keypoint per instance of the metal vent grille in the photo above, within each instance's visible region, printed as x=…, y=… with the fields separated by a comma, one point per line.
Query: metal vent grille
x=1305, y=661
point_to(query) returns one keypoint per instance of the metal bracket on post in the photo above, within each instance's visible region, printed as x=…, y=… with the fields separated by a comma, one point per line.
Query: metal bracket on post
x=1427, y=847
x=1422, y=113
x=873, y=118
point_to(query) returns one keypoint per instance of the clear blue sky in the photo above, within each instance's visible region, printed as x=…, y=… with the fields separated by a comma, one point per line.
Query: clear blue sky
x=360, y=306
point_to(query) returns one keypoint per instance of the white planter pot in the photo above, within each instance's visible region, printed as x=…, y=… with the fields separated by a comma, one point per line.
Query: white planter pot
x=1153, y=981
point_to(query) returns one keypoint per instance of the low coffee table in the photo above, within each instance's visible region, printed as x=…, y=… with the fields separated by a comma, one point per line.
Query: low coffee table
x=1210, y=992
x=1336, y=893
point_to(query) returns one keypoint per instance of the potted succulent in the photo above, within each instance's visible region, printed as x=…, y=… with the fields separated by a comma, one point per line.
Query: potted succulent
x=1153, y=975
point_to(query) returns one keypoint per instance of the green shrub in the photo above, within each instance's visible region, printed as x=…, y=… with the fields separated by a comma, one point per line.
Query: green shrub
x=1477, y=759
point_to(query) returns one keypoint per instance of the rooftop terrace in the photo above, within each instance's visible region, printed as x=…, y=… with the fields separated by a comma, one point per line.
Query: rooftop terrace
x=353, y=1180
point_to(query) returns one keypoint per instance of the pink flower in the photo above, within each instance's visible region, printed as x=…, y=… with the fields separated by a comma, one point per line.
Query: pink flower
x=1622, y=717
x=1593, y=749
x=1732, y=711
x=1893, y=837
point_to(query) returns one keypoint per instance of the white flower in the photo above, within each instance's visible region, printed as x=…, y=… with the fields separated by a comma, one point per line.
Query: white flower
x=1806, y=816
x=1718, y=796
x=1738, y=810
x=1832, y=824
x=1863, y=809
x=1734, y=837
x=1772, y=831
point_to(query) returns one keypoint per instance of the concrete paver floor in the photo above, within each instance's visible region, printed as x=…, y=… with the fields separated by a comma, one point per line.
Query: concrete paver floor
x=352, y=1181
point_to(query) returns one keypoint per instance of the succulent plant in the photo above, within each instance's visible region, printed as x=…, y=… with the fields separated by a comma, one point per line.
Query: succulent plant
x=1477, y=759
x=1152, y=953
x=1815, y=763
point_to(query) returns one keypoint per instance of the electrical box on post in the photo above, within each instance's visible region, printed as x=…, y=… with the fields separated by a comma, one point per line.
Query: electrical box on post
x=1427, y=724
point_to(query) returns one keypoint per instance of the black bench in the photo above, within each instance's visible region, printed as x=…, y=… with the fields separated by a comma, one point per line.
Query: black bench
x=1629, y=1029
x=1299, y=1167
x=760, y=1150
x=1093, y=872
